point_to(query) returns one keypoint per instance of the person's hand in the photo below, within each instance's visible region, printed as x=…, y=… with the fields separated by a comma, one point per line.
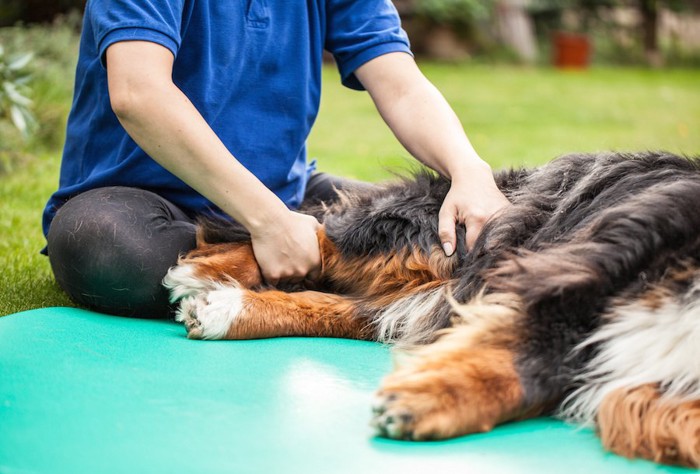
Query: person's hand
x=288, y=248
x=471, y=201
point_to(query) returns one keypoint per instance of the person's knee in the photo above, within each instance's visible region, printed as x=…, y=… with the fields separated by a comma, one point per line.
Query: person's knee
x=110, y=252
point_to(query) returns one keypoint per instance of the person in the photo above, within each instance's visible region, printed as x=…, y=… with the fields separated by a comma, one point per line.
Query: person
x=189, y=108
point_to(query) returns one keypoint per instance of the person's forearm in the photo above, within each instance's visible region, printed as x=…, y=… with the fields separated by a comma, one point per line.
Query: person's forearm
x=420, y=117
x=429, y=129
x=162, y=121
x=171, y=131
x=426, y=126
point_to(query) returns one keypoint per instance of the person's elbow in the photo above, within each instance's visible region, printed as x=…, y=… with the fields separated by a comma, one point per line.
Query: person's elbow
x=128, y=100
x=135, y=87
x=121, y=102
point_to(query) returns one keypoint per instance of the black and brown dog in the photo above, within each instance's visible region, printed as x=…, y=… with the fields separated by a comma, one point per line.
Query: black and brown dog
x=582, y=299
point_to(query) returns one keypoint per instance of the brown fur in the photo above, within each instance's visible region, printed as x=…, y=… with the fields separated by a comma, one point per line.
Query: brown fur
x=453, y=392
x=308, y=313
x=217, y=262
x=589, y=241
x=639, y=422
x=384, y=278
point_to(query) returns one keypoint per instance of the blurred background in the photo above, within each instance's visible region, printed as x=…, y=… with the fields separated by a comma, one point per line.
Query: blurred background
x=530, y=80
x=624, y=31
x=469, y=48
x=509, y=50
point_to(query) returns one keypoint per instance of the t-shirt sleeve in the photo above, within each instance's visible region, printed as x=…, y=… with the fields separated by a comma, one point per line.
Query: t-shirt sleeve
x=358, y=31
x=135, y=20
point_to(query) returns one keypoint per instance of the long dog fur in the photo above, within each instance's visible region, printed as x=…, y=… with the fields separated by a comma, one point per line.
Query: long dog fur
x=582, y=299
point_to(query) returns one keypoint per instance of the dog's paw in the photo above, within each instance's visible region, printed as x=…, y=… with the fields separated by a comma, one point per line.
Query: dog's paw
x=183, y=282
x=211, y=314
x=416, y=413
x=391, y=420
x=446, y=393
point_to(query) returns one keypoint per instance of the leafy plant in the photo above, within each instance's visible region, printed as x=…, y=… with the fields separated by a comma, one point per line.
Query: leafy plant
x=14, y=89
x=52, y=68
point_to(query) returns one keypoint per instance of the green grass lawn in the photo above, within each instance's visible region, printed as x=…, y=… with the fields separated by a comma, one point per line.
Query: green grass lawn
x=514, y=116
x=522, y=116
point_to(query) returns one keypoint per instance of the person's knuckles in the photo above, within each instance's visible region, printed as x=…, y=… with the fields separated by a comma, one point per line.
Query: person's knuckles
x=275, y=274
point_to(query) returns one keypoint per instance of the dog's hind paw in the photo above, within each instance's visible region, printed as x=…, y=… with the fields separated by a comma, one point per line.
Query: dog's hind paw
x=414, y=414
x=392, y=421
x=210, y=315
x=448, y=390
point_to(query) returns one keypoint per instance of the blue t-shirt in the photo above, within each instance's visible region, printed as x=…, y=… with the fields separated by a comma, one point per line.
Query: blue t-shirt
x=251, y=67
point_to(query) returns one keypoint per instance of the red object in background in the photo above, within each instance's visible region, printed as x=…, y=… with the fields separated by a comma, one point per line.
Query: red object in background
x=571, y=50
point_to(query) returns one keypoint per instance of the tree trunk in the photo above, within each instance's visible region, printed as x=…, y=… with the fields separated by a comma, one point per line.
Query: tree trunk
x=650, y=27
x=516, y=29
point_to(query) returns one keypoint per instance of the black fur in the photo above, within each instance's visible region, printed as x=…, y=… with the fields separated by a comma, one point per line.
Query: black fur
x=601, y=225
x=619, y=221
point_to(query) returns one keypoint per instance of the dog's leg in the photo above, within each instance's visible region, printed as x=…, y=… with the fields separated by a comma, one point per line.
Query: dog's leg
x=642, y=386
x=383, y=275
x=212, y=284
x=639, y=422
x=210, y=265
x=465, y=391
x=232, y=312
x=465, y=382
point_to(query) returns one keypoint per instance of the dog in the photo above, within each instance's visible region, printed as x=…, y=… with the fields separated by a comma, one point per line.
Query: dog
x=582, y=300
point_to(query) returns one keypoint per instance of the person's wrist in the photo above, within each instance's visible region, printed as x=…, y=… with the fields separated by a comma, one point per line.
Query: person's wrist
x=470, y=171
x=262, y=222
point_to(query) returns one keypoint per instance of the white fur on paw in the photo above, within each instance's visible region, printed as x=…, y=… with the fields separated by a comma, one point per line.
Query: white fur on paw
x=182, y=282
x=210, y=315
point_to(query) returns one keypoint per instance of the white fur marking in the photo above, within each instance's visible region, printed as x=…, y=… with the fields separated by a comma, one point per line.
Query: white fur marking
x=214, y=312
x=642, y=346
x=182, y=282
x=409, y=319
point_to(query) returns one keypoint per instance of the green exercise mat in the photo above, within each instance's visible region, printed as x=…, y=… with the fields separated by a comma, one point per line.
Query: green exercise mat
x=82, y=392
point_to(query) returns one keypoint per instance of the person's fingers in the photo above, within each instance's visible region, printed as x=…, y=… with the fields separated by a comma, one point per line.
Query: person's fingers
x=477, y=222
x=473, y=232
x=271, y=278
x=447, y=232
x=289, y=253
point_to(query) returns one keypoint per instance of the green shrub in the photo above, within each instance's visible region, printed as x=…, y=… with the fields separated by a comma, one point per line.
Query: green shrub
x=454, y=12
x=54, y=50
x=14, y=89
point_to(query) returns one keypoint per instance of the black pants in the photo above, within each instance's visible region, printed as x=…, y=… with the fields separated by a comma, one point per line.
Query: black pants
x=110, y=248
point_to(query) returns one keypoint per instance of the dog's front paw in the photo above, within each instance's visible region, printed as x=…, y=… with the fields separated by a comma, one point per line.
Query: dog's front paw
x=210, y=315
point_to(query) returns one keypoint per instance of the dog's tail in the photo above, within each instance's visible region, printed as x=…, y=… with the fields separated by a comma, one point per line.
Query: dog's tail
x=642, y=386
x=642, y=422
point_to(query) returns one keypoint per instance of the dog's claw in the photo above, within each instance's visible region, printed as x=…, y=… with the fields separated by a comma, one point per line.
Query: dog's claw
x=193, y=326
x=188, y=315
x=391, y=421
x=379, y=405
